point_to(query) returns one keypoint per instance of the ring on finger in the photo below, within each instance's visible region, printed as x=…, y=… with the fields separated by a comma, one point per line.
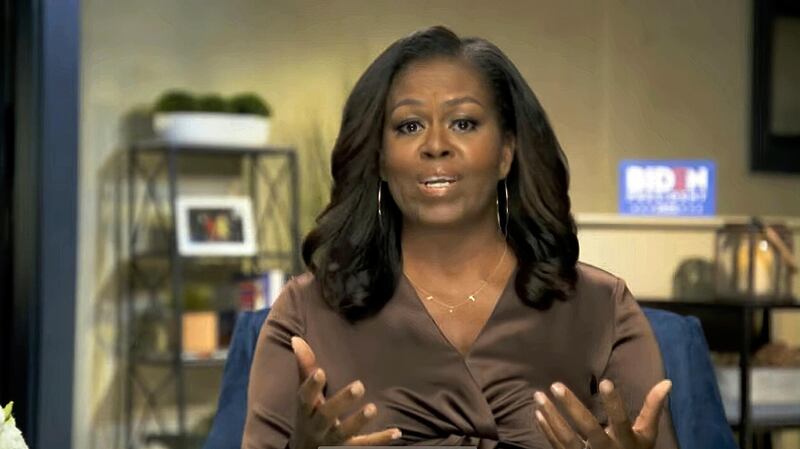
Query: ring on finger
x=336, y=430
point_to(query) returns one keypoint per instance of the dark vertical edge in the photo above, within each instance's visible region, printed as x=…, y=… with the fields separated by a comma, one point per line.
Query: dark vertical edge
x=295, y=207
x=745, y=423
x=129, y=298
x=25, y=244
x=253, y=159
x=761, y=158
x=176, y=267
x=44, y=230
x=58, y=227
x=7, y=39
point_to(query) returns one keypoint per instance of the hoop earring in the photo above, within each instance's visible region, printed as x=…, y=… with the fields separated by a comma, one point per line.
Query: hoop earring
x=380, y=214
x=497, y=206
x=503, y=229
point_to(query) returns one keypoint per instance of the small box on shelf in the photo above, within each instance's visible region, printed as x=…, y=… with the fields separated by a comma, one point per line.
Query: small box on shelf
x=200, y=332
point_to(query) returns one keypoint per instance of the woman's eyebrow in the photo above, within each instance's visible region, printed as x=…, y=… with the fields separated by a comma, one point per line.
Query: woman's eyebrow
x=407, y=101
x=461, y=100
x=449, y=103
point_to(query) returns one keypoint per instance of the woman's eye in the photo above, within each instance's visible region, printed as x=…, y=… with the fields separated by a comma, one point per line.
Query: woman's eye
x=410, y=127
x=464, y=125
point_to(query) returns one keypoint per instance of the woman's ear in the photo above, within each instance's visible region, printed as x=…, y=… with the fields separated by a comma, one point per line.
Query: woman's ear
x=507, y=154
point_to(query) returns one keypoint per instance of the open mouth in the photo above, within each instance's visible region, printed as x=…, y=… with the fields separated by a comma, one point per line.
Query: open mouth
x=438, y=182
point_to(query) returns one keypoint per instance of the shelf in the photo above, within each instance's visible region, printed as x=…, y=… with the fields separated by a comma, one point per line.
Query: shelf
x=766, y=417
x=721, y=303
x=216, y=359
x=166, y=256
x=160, y=146
x=175, y=441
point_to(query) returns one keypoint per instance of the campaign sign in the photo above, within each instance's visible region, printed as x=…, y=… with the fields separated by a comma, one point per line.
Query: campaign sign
x=667, y=187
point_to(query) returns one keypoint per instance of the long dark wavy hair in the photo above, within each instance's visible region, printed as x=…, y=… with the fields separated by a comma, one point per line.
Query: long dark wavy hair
x=356, y=258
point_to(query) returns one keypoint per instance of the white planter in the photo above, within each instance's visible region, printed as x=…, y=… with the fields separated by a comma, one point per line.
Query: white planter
x=212, y=128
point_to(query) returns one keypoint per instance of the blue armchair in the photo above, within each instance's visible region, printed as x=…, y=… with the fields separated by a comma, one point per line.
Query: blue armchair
x=695, y=403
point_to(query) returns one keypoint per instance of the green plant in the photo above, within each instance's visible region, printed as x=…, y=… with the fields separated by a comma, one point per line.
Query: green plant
x=249, y=103
x=212, y=103
x=198, y=297
x=176, y=101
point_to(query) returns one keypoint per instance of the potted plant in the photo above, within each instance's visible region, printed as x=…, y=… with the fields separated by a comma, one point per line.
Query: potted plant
x=183, y=118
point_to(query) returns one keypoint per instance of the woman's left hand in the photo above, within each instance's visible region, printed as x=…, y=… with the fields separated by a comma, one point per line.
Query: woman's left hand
x=619, y=434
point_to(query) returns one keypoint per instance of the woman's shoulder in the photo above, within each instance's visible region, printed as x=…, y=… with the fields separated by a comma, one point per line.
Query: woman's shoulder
x=301, y=287
x=597, y=280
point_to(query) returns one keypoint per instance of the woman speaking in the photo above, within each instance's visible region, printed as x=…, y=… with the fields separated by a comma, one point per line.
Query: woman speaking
x=444, y=303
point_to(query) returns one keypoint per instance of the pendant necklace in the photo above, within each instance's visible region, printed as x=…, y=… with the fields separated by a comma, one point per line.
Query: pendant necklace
x=472, y=297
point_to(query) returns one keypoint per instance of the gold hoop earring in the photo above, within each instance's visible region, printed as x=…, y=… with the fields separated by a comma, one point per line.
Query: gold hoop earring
x=380, y=214
x=503, y=229
x=497, y=206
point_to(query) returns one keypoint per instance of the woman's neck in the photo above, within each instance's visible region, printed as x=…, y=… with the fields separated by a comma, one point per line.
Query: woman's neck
x=456, y=253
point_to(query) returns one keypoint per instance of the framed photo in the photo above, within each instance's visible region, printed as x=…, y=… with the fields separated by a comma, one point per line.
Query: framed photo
x=215, y=226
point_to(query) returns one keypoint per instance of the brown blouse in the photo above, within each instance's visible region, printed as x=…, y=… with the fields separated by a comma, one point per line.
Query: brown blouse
x=435, y=395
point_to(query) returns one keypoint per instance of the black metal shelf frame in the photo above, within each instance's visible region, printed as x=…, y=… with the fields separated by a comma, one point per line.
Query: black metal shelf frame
x=272, y=182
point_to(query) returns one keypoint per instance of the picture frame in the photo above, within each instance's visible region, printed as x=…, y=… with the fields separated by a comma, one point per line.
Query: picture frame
x=215, y=226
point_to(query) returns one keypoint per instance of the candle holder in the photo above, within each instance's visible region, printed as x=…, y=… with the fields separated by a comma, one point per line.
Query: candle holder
x=754, y=261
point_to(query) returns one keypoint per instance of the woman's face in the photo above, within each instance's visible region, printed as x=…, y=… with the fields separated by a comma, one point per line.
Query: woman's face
x=444, y=151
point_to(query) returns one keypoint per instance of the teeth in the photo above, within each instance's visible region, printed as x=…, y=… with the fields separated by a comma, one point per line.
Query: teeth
x=439, y=180
x=438, y=183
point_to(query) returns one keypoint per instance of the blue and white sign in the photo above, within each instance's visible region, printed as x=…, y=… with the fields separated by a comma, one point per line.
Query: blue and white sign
x=676, y=188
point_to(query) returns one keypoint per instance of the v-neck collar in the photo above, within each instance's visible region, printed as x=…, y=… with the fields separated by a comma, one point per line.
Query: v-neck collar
x=495, y=310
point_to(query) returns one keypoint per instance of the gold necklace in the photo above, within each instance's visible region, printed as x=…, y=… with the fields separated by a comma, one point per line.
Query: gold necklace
x=472, y=297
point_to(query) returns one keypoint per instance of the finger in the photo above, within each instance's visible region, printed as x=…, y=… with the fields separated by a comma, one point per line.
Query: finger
x=306, y=359
x=619, y=423
x=343, y=400
x=356, y=421
x=310, y=391
x=646, y=425
x=561, y=429
x=548, y=431
x=375, y=439
x=584, y=420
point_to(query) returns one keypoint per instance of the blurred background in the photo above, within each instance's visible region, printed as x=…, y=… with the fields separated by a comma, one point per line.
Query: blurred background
x=148, y=321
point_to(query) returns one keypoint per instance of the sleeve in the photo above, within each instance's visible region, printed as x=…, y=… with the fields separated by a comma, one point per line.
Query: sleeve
x=635, y=364
x=274, y=375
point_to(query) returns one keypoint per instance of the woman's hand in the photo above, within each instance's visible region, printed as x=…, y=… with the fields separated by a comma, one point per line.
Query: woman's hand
x=317, y=422
x=618, y=435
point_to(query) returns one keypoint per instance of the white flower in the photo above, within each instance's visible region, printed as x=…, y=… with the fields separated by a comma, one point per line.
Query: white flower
x=10, y=436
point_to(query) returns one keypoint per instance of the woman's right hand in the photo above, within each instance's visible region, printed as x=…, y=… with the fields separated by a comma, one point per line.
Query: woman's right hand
x=318, y=420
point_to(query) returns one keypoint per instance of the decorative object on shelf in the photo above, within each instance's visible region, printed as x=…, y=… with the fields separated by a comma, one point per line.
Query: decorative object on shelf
x=260, y=291
x=694, y=280
x=200, y=332
x=10, y=436
x=754, y=260
x=241, y=121
x=199, y=323
x=215, y=226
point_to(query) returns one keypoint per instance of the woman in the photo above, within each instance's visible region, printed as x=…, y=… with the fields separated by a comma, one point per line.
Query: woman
x=445, y=304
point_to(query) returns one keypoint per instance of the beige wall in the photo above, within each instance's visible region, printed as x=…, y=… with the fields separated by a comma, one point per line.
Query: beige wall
x=618, y=78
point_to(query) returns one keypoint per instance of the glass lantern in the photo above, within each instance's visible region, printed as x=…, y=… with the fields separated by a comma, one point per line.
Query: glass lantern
x=754, y=261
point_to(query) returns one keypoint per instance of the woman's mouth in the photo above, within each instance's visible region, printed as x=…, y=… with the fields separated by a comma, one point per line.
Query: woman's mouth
x=437, y=185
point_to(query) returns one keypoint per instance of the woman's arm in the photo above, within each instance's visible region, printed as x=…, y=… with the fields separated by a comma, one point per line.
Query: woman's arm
x=635, y=364
x=274, y=375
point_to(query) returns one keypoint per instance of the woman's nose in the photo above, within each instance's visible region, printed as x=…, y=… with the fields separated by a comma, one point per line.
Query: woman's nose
x=436, y=145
